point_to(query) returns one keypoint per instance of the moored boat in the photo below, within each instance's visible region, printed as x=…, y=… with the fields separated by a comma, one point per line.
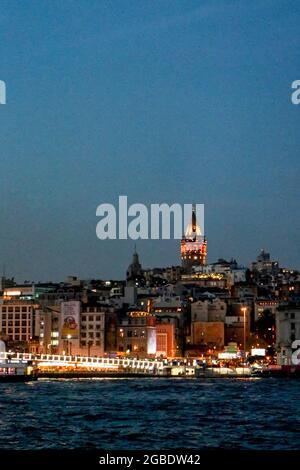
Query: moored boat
x=17, y=371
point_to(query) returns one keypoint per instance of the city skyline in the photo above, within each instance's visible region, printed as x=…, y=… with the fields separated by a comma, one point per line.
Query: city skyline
x=7, y=275
x=149, y=233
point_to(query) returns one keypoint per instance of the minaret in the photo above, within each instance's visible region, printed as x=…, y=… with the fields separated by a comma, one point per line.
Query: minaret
x=193, y=246
x=134, y=270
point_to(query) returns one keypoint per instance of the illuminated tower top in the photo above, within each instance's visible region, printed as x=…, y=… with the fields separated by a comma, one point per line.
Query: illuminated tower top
x=193, y=229
x=193, y=246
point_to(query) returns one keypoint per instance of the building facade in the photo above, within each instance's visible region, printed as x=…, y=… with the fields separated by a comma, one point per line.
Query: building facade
x=288, y=331
x=136, y=334
x=17, y=323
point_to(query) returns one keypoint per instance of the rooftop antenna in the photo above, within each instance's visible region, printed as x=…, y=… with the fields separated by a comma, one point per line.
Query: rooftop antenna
x=194, y=222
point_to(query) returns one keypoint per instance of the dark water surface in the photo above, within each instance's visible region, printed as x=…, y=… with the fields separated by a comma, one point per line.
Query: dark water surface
x=151, y=413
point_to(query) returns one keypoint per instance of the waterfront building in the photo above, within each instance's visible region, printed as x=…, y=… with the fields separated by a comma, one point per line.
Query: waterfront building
x=207, y=323
x=47, y=328
x=111, y=328
x=287, y=331
x=165, y=339
x=172, y=310
x=136, y=334
x=208, y=335
x=92, y=331
x=71, y=328
x=17, y=322
x=237, y=324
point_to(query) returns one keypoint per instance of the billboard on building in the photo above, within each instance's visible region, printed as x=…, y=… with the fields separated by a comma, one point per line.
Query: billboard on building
x=70, y=312
x=258, y=352
x=151, y=341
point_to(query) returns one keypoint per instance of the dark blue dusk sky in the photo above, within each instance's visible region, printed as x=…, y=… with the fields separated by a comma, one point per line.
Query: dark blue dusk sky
x=163, y=101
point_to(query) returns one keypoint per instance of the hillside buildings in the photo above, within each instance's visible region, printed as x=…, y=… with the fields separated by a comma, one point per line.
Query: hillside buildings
x=193, y=310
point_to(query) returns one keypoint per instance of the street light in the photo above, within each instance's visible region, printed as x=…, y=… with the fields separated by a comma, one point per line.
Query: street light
x=69, y=345
x=90, y=343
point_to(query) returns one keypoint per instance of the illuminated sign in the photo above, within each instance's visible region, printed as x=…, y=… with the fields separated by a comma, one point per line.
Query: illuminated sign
x=228, y=355
x=258, y=352
x=151, y=341
x=70, y=319
x=12, y=293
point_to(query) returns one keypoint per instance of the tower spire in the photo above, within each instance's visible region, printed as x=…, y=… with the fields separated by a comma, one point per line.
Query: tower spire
x=193, y=247
x=194, y=219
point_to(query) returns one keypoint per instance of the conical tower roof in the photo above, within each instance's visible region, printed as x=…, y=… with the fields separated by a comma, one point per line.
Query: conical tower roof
x=193, y=229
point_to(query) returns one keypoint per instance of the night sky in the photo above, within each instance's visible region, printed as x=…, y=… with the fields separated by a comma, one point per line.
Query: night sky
x=165, y=101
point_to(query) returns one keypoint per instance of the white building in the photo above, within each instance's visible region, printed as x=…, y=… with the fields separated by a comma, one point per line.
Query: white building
x=92, y=331
x=17, y=320
x=213, y=310
x=287, y=331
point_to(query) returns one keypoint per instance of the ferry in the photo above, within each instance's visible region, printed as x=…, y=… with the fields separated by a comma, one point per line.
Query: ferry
x=17, y=371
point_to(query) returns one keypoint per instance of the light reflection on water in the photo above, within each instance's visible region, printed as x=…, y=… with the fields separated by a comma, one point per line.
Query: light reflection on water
x=158, y=413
